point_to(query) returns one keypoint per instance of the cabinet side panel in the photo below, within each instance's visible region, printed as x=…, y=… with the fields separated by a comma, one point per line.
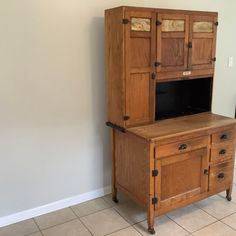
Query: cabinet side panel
x=132, y=166
x=114, y=45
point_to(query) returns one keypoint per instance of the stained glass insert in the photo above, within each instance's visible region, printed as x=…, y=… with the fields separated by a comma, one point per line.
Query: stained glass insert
x=202, y=27
x=140, y=24
x=173, y=26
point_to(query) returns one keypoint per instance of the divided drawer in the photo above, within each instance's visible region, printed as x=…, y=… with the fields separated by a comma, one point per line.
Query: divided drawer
x=181, y=146
x=221, y=175
x=222, y=151
x=223, y=136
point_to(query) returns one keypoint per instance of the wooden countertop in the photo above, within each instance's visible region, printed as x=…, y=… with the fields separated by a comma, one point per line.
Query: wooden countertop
x=181, y=125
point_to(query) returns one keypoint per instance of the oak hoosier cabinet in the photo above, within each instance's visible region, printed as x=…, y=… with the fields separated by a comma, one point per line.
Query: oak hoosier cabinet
x=169, y=149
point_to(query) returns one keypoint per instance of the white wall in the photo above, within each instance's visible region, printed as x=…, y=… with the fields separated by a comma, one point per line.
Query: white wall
x=53, y=141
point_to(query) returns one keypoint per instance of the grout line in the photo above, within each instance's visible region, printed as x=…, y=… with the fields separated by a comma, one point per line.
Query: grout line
x=206, y=212
x=131, y=224
x=90, y=213
x=58, y=224
x=117, y=230
x=228, y=225
x=81, y=221
x=178, y=224
x=228, y=216
x=205, y=226
x=85, y=226
x=36, y=223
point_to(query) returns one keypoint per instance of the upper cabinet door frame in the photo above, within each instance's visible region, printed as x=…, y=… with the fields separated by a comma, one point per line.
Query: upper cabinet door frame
x=202, y=37
x=175, y=29
x=140, y=49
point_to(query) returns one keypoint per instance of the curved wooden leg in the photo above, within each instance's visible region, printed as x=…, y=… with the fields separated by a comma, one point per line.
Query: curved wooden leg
x=114, y=189
x=229, y=193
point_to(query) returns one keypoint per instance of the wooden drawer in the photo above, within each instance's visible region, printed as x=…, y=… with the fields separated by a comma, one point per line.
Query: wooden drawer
x=222, y=151
x=223, y=136
x=181, y=146
x=221, y=175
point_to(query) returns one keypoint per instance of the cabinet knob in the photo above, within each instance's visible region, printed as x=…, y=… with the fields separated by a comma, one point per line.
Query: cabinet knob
x=190, y=45
x=221, y=175
x=222, y=151
x=206, y=171
x=183, y=146
x=223, y=136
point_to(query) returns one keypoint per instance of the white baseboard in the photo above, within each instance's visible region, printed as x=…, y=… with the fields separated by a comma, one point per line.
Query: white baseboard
x=54, y=206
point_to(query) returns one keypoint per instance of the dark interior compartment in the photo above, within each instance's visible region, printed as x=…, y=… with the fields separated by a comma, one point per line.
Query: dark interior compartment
x=183, y=97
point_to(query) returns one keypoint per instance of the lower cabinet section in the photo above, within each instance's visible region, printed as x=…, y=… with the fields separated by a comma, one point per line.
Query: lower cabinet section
x=165, y=172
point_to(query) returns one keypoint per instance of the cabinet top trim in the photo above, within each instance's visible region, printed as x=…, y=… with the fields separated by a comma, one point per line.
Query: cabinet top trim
x=161, y=10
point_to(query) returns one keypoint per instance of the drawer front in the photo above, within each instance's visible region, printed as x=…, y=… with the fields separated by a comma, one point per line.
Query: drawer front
x=221, y=175
x=222, y=151
x=181, y=146
x=223, y=136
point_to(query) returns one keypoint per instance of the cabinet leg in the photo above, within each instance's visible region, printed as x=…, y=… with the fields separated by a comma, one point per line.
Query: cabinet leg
x=229, y=193
x=114, y=189
x=150, y=220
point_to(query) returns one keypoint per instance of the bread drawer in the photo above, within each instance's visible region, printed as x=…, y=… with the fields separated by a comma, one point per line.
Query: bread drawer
x=222, y=151
x=223, y=136
x=181, y=146
x=221, y=175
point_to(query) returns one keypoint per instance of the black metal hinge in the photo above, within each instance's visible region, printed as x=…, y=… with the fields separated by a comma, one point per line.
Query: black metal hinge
x=154, y=200
x=155, y=173
x=125, y=21
x=214, y=59
x=216, y=23
x=126, y=117
x=158, y=23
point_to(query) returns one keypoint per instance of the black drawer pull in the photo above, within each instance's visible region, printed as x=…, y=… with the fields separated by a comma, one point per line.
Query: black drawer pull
x=221, y=175
x=222, y=152
x=223, y=136
x=183, y=146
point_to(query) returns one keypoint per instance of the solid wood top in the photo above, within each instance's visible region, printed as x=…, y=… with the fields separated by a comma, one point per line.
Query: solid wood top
x=181, y=126
x=161, y=10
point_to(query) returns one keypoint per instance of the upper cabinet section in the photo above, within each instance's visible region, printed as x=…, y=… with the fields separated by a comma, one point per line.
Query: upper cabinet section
x=185, y=44
x=146, y=45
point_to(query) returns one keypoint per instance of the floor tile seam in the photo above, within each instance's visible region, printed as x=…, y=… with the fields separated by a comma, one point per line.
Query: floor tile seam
x=216, y=217
x=228, y=225
x=85, y=226
x=36, y=223
x=121, y=229
x=206, y=212
x=205, y=226
x=228, y=216
x=178, y=224
x=121, y=216
x=41, y=230
x=79, y=217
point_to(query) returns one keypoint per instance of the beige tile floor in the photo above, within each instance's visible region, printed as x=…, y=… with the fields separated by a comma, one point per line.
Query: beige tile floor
x=214, y=216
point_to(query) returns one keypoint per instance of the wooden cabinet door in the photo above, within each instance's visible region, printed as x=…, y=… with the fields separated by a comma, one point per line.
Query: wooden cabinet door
x=139, y=56
x=181, y=177
x=202, y=39
x=172, y=40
